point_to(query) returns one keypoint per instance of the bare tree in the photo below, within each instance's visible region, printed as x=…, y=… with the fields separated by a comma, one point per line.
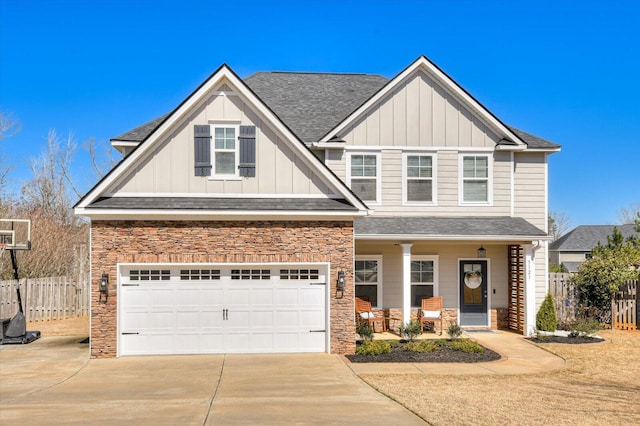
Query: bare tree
x=50, y=187
x=102, y=159
x=628, y=214
x=559, y=224
x=9, y=126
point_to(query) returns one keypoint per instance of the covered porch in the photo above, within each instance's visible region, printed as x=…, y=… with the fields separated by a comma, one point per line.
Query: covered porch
x=489, y=271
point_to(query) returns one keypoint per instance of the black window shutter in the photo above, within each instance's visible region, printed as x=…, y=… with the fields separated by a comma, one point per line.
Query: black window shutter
x=202, y=147
x=247, y=140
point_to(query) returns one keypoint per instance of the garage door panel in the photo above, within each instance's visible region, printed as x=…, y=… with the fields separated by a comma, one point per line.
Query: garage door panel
x=261, y=297
x=262, y=319
x=196, y=315
x=287, y=297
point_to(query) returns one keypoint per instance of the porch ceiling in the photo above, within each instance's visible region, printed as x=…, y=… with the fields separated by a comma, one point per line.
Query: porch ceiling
x=447, y=228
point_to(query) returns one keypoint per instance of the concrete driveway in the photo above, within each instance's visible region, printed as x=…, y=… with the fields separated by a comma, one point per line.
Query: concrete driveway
x=53, y=381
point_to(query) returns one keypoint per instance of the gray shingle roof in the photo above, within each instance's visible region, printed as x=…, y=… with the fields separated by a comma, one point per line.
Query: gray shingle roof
x=586, y=237
x=140, y=133
x=447, y=226
x=311, y=104
x=533, y=141
x=200, y=203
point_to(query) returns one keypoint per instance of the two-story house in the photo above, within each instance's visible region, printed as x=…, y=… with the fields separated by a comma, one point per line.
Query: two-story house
x=250, y=217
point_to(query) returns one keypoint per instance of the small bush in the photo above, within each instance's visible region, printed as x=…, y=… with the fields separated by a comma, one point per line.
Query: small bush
x=422, y=346
x=364, y=329
x=454, y=331
x=583, y=326
x=370, y=347
x=466, y=346
x=394, y=343
x=411, y=330
x=546, y=317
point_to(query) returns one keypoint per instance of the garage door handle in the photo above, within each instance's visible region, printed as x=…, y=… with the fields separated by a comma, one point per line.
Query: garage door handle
x=126, y=334
x=317, y=331
x=225, y=314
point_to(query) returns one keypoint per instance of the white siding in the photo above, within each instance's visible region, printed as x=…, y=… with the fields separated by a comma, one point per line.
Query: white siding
x=170, y=167
x=530, y=194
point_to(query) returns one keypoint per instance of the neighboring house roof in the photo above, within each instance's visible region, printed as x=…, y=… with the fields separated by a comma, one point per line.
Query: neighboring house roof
x=201, y=203
x=571, y=266
x=586, y=237
x=312, y=104
x=506, y=228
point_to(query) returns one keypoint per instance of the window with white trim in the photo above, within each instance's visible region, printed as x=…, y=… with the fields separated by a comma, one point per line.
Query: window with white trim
x=364, y=175
x=475, y=178
x=424, y=278
x=225, y=151
x=419, y=178
x=368, y=279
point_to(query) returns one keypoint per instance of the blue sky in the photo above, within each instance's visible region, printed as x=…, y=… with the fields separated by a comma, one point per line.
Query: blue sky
x=566, y=71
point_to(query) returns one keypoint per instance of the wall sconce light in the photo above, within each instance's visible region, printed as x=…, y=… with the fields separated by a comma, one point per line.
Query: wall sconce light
x=104, y=287
x=482, y=252
x=340, y=283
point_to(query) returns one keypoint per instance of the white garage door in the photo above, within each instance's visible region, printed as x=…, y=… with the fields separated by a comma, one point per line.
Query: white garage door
x=221, y=309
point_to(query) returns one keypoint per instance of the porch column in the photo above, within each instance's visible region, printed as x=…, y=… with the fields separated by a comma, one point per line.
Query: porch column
x=529, y=290
x=406, y=282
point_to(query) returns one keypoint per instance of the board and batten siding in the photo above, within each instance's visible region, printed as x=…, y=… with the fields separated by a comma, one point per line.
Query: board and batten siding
x=170, y=167
x=420, y=113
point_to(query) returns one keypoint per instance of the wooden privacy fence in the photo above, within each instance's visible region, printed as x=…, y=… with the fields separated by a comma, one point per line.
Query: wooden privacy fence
x=46, y=298
x=564, y=296
x=624, y=307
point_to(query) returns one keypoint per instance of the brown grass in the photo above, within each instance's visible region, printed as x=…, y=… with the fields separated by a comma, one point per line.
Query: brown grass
x=62, y=327
x=600, y=385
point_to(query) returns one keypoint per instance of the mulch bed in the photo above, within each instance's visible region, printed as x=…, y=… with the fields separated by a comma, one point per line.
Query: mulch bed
x=578, y=340
x=444, y=354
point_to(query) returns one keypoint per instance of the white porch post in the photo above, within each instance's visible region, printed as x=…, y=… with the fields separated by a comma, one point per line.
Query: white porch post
x=406, y=282
x=529, y=290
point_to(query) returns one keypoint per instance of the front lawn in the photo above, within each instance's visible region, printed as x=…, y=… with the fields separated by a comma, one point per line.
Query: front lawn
x=599, y=385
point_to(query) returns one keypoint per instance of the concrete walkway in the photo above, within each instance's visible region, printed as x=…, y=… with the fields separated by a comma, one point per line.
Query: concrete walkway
x=53, y=381
x=519, y=356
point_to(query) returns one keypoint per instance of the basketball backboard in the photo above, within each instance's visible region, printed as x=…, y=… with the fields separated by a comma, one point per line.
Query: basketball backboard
x=15, y=234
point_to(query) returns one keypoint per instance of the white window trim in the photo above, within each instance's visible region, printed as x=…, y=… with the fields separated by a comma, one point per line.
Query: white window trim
x=226, y=125
x=377, y=258
x=461, y=201
x=436, y=272
x=378, y=200
x=434, y=179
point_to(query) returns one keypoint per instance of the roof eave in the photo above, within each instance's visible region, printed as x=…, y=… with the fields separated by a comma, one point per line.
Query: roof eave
x=434, y=237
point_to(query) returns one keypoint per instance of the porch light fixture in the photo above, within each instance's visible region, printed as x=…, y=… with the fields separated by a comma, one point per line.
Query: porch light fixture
x=103, y=286
x=340, y=283
x=482, y=252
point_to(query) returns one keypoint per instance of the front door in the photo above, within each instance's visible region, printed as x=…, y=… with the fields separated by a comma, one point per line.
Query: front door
x=473, y=293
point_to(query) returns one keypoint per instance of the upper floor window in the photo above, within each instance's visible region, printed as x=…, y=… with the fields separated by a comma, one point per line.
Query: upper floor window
x=364, y=176
x=419, y=174
x=475, y=179
x=224, y=151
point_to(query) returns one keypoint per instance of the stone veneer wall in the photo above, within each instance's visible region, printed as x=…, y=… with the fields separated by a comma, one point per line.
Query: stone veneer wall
x=114, y=242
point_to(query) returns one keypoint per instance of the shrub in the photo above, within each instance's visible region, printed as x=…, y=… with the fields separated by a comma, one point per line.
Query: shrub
x=583, y=326
x=394, y=343
x=364, y=329
x=466, y=346
x=546, y=317
x=454, y=331
x=411, y=330
x=370, y=347
x=422, y=346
